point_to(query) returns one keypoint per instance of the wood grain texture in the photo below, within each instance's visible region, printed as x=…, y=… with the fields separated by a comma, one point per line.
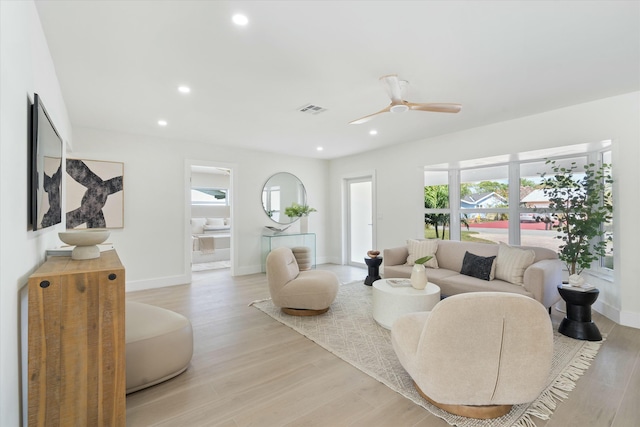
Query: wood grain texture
x=76, y=360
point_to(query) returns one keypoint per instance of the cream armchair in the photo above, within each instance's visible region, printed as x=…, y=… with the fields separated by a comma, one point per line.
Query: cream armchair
x=477, y=354
x=299, y=293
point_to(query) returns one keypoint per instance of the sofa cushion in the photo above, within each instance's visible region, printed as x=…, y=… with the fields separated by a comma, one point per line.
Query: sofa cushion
x=512, y=262
x=451, y=252
x=459, y=283
x=422, y=248
x=478, y=266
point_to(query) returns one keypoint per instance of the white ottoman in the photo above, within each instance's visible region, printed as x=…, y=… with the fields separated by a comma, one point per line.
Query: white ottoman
x=391, y=302
x=159, y=345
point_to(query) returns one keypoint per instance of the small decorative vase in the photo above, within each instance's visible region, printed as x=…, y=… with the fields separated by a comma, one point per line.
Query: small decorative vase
x=304, y=224
x=419, y=276
x=576, y=280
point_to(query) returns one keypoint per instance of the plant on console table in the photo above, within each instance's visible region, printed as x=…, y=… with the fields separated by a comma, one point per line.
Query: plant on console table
x=300, y=211
x=581, y=205
x=419, y=273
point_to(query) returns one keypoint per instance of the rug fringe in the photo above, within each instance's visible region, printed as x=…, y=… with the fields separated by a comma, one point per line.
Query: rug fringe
x=547, y=402
x=258, y=301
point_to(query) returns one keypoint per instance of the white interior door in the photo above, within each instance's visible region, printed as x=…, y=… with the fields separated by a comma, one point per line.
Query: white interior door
x=359, y=219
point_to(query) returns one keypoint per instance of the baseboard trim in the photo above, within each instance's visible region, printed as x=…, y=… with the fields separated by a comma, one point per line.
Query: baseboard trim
x=607, y=310
x=158, y=282
x=630, y=318
x=621, y=317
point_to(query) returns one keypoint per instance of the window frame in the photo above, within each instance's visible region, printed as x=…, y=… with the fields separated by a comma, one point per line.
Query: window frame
x=593, y=153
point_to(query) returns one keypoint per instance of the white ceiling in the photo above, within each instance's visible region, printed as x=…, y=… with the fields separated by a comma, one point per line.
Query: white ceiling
x=119, y=64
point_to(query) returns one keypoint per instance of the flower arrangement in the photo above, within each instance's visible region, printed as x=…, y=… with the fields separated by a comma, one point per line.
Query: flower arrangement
x=297, y=210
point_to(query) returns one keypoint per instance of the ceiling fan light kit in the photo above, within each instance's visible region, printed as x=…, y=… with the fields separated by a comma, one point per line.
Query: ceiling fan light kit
x=400, y=108
x=394, y=88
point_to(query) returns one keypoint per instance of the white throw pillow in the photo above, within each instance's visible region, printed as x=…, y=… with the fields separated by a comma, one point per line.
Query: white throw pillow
x=422, y=248
x=512, y=262
x=215, y=221
x=197, y=225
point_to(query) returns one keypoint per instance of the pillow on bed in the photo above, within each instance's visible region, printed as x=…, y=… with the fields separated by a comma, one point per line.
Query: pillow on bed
x=197, y=225
x=218, y=222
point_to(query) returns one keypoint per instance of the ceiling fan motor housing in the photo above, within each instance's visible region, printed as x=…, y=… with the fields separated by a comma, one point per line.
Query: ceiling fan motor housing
x=399, y=108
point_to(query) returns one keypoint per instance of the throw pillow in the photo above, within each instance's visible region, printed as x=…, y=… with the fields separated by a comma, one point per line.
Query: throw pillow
x=215, y=221
x=512, y=262
x=422, y=248
x=478, y=266
x=197, y=225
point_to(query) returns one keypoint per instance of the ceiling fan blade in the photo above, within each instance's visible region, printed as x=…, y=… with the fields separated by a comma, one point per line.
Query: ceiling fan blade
x=369, y=117
x=435, y=107
x=393, y=87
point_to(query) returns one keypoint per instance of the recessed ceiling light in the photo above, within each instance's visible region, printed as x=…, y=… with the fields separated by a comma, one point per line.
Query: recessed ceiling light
x=319, y=148
x=373, y=132
x=162, y=122
x=240, y=19
x=184, y=89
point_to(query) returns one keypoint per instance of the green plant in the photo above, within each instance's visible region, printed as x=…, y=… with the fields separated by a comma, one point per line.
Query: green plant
x=423, y=259
x=581, y=205
x=297, y=210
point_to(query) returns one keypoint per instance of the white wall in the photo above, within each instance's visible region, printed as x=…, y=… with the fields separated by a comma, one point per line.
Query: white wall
x=26, y=67
x=400, y=180
x=155, y=238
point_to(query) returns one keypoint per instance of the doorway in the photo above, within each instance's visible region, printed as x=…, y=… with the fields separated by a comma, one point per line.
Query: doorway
x=360, y=219
x=209, y=217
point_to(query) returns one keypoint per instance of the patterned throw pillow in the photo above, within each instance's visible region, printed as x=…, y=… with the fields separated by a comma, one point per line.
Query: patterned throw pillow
x=422, y=248
x=512, y=262
x=478, y=266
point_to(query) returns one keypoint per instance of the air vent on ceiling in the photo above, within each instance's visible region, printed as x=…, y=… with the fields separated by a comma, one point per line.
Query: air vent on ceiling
x=311, y=109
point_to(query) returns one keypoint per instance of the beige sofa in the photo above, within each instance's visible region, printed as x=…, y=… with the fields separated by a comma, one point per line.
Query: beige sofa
x=540, y=279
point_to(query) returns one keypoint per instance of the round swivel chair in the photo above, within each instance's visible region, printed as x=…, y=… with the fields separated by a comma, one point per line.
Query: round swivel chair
x=477, y=354
x=299, y=293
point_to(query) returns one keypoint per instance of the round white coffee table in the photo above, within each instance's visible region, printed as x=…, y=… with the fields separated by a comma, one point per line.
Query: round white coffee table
x=391, y=302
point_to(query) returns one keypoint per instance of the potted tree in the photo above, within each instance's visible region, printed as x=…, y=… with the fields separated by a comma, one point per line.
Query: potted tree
x=302, y=212
x=581, y=203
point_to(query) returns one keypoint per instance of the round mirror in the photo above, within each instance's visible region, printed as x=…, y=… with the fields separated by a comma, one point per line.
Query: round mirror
x=281, y=191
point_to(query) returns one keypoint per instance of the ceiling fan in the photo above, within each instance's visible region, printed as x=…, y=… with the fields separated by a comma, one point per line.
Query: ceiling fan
x=394, y=88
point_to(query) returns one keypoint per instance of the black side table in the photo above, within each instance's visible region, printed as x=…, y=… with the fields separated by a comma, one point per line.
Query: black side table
x=374, y=270
x=577, y=324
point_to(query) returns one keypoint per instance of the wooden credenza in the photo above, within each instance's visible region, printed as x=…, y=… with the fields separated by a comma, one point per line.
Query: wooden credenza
x=77, y=342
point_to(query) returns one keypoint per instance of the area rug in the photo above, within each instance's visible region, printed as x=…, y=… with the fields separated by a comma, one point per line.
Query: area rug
x=349, y=331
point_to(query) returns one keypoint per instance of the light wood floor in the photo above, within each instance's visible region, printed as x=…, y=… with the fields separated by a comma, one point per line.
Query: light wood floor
x=250, y=370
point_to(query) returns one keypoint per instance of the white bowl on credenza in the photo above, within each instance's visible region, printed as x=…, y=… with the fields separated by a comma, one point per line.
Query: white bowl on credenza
x=86, y=242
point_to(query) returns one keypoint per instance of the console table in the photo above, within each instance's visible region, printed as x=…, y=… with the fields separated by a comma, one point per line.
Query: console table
x=76, y=356
x=290, y=240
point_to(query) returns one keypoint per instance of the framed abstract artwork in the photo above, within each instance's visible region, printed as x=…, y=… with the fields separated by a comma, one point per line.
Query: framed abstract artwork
x=95, y=194
x=45, y=202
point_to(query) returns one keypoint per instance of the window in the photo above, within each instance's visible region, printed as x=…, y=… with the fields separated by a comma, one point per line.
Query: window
x=209, y=196
x=473, y=200
x=484, y=204
x=436, y=204
x=536, y=220
x=607, y=260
